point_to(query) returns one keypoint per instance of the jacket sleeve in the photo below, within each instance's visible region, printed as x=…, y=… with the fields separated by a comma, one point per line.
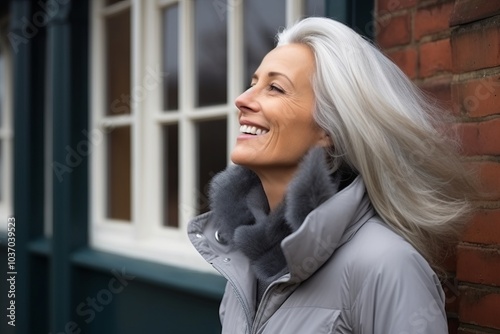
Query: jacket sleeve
x=400, y=294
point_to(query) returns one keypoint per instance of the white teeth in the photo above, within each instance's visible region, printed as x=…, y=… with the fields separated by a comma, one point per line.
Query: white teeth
x=248, y=129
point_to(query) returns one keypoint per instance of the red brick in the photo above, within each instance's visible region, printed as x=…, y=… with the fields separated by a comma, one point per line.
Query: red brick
x=481, y=138
x=389, y=6
x=433, y=19
x=440, y=89
x=478, y=265
x=477, y=97
x=406, y=60
x=476, y=47
x=479, y=307
x=468, y=133
x=489, y=178
x=484, y=228
x=435, y=57
x=393, y=31
x=467, y=11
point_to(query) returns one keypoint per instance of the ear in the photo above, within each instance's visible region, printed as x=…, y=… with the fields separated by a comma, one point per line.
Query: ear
x=325, y=140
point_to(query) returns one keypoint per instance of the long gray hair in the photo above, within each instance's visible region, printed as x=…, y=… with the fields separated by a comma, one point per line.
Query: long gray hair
x=388, y=131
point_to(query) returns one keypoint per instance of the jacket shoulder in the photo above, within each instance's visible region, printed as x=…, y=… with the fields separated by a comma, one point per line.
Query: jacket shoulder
x=389, y=282
x=377, y=247
x=378, y=257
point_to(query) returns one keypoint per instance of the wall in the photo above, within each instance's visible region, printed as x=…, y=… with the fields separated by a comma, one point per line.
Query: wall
x=451, y=48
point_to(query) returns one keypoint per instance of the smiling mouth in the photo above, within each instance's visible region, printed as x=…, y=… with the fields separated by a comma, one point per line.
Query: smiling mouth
x=252, y=130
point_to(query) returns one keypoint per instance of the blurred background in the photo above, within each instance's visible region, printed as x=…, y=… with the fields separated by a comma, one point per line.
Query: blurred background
x=115, y=115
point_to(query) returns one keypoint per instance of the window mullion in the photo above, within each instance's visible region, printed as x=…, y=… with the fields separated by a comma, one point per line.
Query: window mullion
x=187, y=132
x=235, y=72
x=115, y=121
x=152, y=199
x=165, y=118
x=294, y=11
x=115, y=8
x=138, y=94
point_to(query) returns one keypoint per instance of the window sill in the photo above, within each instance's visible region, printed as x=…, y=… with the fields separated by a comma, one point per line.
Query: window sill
x=187, y=280
x=41, y=246
x=191, y=281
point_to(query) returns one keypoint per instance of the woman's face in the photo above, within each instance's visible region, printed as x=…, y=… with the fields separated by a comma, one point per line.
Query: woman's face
x=276, y=112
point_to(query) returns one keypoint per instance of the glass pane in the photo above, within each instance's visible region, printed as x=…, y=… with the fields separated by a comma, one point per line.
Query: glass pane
x=262, y=21
x=118, y=63
x=171, y=58
x=171, y=175
x=211, y=52
x=315, y=8
x=119, y=176
x=212, y=157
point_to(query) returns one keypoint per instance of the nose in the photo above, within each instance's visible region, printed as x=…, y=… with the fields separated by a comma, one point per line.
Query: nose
x=246, y=102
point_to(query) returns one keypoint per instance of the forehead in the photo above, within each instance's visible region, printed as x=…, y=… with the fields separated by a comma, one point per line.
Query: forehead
x=289, y=59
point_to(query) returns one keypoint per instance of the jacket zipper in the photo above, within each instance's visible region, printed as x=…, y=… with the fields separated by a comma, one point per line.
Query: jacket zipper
x=260, y=311
x=263, y=303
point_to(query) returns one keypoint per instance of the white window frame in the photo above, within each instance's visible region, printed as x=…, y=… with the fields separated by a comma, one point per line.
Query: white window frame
x=144, y=237
x=6, y=136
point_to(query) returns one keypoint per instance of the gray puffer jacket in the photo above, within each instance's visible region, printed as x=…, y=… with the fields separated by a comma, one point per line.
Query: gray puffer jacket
x=345, y=270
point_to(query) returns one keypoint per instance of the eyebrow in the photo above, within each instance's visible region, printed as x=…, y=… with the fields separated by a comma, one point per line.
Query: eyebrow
x=275, y=74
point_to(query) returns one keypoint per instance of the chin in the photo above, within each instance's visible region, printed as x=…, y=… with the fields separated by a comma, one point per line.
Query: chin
x=244, y=156
x=238, y=159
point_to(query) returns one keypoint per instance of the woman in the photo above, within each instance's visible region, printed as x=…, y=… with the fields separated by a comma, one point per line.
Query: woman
x=342, y=198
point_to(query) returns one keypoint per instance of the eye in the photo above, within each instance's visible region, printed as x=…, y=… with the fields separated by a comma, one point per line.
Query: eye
x=276, y=88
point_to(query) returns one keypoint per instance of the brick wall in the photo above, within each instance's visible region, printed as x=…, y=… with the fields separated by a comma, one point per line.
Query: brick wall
x=451, y=48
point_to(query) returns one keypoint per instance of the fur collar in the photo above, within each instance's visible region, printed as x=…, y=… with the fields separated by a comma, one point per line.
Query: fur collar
x=243, y=219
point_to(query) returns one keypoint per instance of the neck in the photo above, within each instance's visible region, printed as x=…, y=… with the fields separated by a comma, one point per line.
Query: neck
x=275, y=183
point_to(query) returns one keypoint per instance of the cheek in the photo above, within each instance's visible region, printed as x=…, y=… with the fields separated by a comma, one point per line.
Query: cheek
x=294, y=111
x=292, y=129
x=296, y=139
x=299, y=126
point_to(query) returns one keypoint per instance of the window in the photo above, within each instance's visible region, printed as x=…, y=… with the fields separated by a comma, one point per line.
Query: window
x=6, y=158
x=165, y=74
